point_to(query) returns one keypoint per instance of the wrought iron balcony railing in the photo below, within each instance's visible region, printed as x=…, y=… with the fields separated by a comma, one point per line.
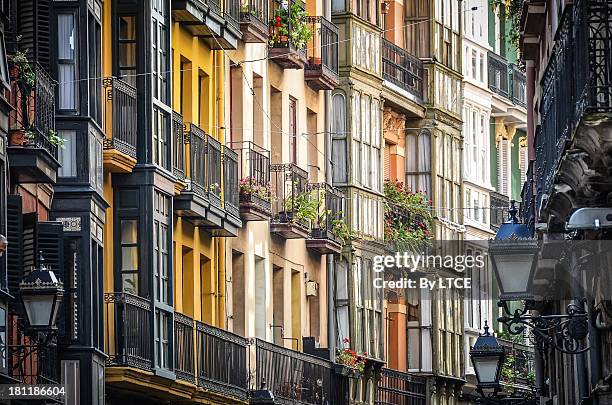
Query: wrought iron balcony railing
x=402, y=69
x=32, y=364
x=398, y=388
x=221, y=361
x=121, y=116
x=231, y=12
x=128, y=326
x=329, y=204
x=528, y=199
x=499, y=210
x=32, y=122
x=254, y=184
x=498, y=74
x=196, y=138
x=231, y=201
x=289, y=185
x=285, y=18
x=178, y=140
x=293, y=376
x=321, y=71
x=184, y=349
x=519, y=368
x=519, y=86
x=254, y=9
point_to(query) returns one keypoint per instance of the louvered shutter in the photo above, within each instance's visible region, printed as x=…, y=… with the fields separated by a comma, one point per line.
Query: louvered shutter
x=50, y=243
x=387, y=162
x=29, y=242
x=34, y=18
x=14, y=252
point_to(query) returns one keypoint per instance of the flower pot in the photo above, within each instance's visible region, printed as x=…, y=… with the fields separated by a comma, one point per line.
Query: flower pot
x=318, y=233
x=285, y=216
x=346, y=371
x=17, y=137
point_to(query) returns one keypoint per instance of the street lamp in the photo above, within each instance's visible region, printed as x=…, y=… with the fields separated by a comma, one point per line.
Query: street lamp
x=41, y=293
x=487, y=356
x=514, y=255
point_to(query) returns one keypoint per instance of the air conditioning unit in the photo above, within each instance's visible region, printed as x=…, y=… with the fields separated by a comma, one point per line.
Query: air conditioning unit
x=312, y=288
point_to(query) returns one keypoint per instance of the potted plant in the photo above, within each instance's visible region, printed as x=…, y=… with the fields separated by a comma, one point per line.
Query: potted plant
x=349, y=363
x=289, y=25
x=250, y=189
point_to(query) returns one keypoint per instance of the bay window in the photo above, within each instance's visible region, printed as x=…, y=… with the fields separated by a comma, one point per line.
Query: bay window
x=66, y=60
x=129, y=256
x=339, y=152
x=127, y=49
x=95, y=64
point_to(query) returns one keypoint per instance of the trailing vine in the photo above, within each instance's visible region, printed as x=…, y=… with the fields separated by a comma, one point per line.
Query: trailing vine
x=510, y=10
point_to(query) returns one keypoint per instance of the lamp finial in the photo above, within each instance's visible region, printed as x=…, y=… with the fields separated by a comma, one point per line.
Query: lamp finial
x=512, y=212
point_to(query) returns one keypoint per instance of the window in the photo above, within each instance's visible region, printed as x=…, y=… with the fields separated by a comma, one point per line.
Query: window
x=66, y=59
x=70, y=379
x=418, y=162
x=129, y=255
x=4, y=75
x=503, y=167
x=95, y=67
x=95, y=161
x=338, y=129
x=293, y=132
x=159, y=60
x=474, y=62
x=67, y=155
x=127, y=49
x=161, y=248
x=162, y=342
x=161, y=132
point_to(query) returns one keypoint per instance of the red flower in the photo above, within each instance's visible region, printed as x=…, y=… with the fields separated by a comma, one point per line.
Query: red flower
x=278, y=19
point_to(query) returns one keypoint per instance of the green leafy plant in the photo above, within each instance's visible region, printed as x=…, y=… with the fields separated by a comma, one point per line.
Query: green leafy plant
x=341, y=230
x=290, y=23
x=26, y=76
x=510, y=10
x=408, y=215
x=55, y=139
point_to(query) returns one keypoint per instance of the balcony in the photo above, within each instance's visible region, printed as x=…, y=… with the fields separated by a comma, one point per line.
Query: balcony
x=128, y=326
x=120, y=126
x=518, y=87
x=498, y=74
x=216, y=22
x=254, y=20
x=518, y=369
x=254, y=173
x=533, y=17
x=528, y=199
x=210, y=198
x=221, y=361
x=398, y=388
x=328, y=228
x=285, y=50
x=499, y=210
x=178, y=151
x=33, y=142
x=402, y=69
x=184, y=349
x=292, y=209
x=293, y=377
x=321, y=71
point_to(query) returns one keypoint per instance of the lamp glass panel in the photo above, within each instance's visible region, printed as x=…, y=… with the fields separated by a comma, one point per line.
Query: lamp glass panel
x=486, y=368
x=514, y=272
x=38, y=308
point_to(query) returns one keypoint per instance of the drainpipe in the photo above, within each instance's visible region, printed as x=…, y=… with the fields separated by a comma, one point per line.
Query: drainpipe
x=331, y=308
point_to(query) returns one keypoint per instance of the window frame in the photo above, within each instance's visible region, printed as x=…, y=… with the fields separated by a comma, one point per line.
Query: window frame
x=70, y=62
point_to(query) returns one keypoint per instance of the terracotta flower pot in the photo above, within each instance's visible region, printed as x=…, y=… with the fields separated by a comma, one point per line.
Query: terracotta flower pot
x=17, y=137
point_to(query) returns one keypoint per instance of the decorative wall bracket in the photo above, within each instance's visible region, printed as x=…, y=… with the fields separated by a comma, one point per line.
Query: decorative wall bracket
x=565, y=332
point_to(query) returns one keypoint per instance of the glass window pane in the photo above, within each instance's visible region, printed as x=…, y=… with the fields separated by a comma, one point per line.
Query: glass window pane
x=129, y=283
x=129, y=231
x=67, y=154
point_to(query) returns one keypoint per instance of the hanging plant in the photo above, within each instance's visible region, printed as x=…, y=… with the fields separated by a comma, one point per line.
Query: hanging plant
x=510, y=10
x=24, y=74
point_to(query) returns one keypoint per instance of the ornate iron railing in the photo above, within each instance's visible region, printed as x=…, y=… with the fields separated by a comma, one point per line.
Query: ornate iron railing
x=498, y=74
x=519, y=366
x=528, y=200
x=128, y=331
x=184, y=350
x=257, y=9
x=254, y=173
x=402, y=69
x=322, y=49
x=221, y=361
x=231, y=12
x=231, y=201
x=499, y=210
x=519, y=86
x=398, y=388
x=121, y=112
x=178, y=140
x=213, y=170
x=31, y=364
x=288, y=185
x=330, y=209
x=33, y=99
x=196, y=138
x=293, y=377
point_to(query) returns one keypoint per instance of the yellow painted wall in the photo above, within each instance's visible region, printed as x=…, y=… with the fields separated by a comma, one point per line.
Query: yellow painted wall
x=199, y=261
